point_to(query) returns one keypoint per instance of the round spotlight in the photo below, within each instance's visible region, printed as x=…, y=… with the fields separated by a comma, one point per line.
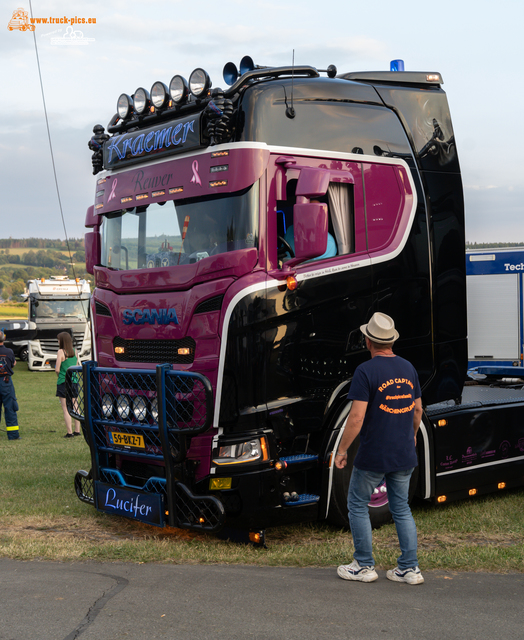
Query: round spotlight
x=159, y=95
x=199, y=83
x=107, y=405
x=178, y=89
x=124, y=106
x=123, y=406
x=141, y=100
x=140, y=408
x=154, y=409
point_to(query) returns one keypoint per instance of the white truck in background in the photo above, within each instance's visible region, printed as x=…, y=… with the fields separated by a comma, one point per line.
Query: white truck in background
x=54, y=305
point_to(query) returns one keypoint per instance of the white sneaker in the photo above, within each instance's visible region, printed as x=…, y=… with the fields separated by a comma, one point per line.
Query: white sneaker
x=354, y=571
x=411, y=576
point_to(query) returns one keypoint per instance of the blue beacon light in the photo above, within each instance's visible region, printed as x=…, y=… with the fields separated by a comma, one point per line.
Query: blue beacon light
x=396, y=65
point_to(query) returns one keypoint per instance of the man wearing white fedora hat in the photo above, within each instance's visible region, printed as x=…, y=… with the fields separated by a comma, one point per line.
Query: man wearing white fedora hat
x=386, y=413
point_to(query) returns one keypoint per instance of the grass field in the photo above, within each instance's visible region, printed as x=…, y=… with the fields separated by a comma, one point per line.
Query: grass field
x=13, y=310
x=41, y=518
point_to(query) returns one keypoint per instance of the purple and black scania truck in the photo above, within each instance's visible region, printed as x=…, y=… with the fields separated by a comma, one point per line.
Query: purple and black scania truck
x=238, y=239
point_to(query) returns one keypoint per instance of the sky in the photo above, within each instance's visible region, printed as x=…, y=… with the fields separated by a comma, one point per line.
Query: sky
x=476, y=46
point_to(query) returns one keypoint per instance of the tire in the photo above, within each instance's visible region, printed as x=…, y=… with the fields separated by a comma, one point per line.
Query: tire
x=24, y=354
x=379, y=513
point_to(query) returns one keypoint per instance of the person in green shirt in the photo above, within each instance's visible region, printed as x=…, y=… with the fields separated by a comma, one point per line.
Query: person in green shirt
x=66, y=358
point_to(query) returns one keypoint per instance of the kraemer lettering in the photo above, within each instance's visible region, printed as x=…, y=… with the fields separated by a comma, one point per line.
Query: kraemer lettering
x=155, y=141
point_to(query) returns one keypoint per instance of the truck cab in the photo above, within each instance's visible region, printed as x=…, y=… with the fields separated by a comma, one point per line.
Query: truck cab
x=239, y=238
x=54, y=305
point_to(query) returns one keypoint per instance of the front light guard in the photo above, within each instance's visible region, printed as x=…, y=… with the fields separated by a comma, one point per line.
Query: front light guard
x=252, y=450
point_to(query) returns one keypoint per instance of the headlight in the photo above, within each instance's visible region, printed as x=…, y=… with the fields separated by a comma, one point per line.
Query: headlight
x=124, y=106
x=140, y=408
x=141, y=100
x=250, y=451
x=154, y=409
x=199, y=83
x=107, y=405
x=159, y=95
x=178, y=89
x=123, y=406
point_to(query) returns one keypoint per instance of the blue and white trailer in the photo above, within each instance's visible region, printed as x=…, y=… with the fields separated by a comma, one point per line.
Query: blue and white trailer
x=495, y=296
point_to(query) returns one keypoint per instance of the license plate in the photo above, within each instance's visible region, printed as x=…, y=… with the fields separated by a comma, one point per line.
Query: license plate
x=127, y=440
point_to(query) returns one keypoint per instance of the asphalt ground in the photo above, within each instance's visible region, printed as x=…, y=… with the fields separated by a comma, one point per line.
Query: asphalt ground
x=113, y=601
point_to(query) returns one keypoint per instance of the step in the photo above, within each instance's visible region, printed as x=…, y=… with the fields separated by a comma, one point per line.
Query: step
x=303, y=498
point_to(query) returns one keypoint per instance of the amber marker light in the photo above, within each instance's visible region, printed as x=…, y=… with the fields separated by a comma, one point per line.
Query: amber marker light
x=217, y=484
x=441, y=498
x=184, y=351
x=472, y=492
x=263, y=447
x=291, y=283
x=201, y=520
x=501, y=485
x=255, y=536
x=119, y=350
x=442, y=423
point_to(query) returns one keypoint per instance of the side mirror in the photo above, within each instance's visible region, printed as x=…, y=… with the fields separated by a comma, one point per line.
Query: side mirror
x=312, y=182
x=310, y=226
x=92, y=219
x=93, y=250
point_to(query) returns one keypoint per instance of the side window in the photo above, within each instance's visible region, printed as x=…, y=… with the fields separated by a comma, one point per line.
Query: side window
x=339, y=200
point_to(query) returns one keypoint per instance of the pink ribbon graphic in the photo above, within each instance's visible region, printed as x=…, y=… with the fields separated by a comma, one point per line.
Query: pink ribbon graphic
x=196, y=177
x=113, y=187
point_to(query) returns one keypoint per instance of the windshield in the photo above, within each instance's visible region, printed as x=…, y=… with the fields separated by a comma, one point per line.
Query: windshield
x=182, y=232
x=60, y=309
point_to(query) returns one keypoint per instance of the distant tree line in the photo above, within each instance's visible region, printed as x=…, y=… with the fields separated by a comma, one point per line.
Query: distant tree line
x=40, y=243
x=493, y=245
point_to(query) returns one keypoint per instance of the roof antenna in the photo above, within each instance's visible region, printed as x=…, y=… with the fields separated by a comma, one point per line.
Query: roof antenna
x=290, y=111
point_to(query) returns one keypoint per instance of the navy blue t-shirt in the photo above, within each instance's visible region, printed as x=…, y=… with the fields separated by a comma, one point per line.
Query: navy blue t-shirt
x=390, y=386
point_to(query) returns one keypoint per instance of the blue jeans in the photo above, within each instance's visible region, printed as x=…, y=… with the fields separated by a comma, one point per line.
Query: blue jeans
x=361, y=487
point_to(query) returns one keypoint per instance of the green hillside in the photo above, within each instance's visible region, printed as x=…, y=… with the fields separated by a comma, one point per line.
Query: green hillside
x=24, y=259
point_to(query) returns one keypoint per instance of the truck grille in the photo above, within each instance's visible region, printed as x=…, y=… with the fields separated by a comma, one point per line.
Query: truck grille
x=155, y=351
x=50, y=344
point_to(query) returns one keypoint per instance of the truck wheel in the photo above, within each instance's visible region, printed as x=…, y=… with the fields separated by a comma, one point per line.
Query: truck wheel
x=24, y=354
x=379, y=512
